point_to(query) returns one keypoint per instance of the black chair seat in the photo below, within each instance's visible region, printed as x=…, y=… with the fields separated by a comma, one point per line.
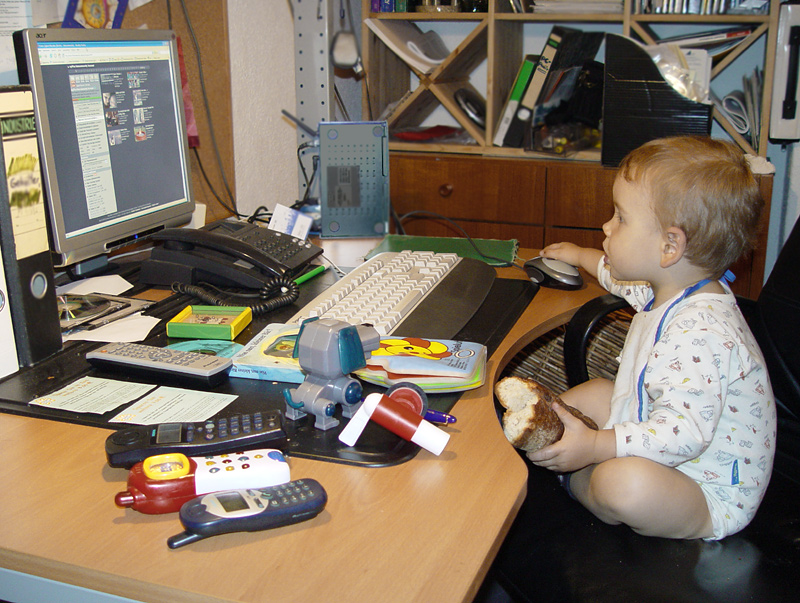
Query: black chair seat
x=557, y=551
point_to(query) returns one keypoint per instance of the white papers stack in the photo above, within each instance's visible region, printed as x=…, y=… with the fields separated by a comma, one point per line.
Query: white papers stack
x=422, y=51
x=734, y=108
x=577, y=6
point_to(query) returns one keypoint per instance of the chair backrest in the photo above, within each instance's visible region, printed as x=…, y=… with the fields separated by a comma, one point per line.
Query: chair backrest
x=777, y=324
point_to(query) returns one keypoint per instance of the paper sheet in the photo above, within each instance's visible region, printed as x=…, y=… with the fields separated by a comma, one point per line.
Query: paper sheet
x=93, y=395
x=174, y=405
x=113, y=284
x=129, y=329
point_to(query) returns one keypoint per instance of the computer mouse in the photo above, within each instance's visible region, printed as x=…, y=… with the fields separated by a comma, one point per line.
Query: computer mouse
x=556, y=274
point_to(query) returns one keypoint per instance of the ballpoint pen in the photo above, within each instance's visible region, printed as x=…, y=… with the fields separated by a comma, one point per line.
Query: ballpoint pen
x=436, y=416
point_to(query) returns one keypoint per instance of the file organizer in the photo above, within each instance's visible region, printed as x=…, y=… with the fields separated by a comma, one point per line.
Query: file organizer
x=354, y=179
x=639, y=105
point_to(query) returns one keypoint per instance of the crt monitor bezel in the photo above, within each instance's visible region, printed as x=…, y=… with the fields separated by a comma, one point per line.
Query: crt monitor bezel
x=85, y=246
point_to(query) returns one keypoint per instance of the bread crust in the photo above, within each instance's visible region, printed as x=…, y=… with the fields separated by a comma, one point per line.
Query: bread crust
x=529, y=422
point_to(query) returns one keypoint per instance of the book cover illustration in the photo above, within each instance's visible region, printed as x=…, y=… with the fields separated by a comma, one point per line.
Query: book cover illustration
x=436, y=365
x=268, y=356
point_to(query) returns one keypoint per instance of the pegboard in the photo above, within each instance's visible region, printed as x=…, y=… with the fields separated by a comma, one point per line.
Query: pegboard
x=314, y=89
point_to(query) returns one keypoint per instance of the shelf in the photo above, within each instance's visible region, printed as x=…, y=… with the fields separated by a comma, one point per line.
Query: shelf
x=498, y=39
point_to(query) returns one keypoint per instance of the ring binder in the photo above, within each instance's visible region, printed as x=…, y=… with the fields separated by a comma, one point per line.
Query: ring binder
x=27, y=265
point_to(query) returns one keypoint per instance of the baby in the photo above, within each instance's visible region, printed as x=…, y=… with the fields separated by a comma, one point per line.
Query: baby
x=688, y=427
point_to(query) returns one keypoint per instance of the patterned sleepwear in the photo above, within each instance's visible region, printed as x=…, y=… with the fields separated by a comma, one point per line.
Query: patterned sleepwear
x=692, y=392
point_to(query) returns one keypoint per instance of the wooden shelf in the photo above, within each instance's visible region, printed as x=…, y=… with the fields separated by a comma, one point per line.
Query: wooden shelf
x=498, y=40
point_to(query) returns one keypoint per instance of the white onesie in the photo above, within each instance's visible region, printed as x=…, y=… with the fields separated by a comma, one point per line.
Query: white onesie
x=708, y=406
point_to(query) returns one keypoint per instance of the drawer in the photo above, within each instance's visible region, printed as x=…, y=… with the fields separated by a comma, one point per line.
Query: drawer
x=585, y=237
x=580, y=195
x=469, y=188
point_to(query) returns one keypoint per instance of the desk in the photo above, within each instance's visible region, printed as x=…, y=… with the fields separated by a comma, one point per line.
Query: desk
x=426, y=530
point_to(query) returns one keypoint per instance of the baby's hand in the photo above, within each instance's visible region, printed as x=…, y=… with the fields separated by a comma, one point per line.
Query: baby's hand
x=575, y=450
x=566, y=252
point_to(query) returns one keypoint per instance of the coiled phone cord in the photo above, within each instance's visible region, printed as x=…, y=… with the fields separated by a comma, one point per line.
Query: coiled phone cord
x=279, y=292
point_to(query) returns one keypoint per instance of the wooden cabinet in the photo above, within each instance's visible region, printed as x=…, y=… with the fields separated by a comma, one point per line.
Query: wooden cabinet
x=535, y=202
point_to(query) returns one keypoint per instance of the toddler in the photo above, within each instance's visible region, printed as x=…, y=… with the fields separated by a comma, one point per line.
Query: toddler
x=688, y=427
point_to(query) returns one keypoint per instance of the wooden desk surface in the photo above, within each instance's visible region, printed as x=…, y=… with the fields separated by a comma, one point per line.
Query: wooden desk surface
x=426, y=530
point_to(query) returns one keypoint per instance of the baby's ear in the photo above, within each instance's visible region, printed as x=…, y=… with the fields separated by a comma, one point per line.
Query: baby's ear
x=674, y=246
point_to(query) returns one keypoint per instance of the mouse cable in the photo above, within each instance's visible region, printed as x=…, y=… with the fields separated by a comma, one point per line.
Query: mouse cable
x=430, y=214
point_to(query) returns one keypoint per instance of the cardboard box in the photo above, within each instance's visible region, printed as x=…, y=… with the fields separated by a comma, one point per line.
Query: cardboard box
x=639, y=105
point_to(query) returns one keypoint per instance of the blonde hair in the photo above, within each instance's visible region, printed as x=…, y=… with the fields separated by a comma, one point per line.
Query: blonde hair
x=703, y=186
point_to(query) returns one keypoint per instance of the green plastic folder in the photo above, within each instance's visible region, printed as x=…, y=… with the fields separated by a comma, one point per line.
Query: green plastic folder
x=498, y=252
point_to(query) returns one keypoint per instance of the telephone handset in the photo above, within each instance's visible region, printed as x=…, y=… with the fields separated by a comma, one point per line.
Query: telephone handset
x=227, y=254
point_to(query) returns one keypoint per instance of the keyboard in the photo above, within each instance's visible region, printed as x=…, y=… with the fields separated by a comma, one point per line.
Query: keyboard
x=407, y=293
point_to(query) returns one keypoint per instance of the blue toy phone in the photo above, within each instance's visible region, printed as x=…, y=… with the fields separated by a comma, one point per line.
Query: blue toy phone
x=249, y=510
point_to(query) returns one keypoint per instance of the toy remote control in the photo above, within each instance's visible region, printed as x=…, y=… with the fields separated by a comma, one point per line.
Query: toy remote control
x=150, y=361
x=249, y=510
x=126, y=447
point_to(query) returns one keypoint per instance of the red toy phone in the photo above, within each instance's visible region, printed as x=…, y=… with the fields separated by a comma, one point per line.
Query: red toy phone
x=163, y=483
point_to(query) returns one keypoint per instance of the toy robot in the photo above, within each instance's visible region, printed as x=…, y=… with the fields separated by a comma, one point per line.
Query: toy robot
x=328, y=351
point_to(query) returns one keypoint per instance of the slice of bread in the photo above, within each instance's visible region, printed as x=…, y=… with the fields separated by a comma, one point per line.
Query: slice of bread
x=529, y=422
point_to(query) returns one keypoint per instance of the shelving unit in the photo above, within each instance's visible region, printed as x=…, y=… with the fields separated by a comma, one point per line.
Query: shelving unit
x=505, y=193
x=498, y=39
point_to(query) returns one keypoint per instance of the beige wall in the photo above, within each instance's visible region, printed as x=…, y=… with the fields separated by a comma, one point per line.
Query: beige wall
x=262, y=81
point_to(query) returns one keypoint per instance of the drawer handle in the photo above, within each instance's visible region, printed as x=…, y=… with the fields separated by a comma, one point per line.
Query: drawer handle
x=446, y=190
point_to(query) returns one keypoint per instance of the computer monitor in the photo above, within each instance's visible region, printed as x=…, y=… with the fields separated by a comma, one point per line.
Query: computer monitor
x=112, y=137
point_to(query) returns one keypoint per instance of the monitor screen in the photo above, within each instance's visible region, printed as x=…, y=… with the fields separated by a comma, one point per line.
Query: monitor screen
x=112, y=135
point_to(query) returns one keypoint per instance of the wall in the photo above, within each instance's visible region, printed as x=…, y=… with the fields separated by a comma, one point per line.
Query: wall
x=261, y=38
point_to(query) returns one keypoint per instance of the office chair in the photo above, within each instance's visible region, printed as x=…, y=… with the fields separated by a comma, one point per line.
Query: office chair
x=557, y=551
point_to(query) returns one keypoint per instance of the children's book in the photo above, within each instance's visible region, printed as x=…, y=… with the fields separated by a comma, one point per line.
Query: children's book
x=268, y=356
x=435, y=365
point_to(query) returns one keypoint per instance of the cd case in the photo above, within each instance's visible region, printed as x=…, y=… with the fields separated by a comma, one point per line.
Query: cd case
x=210, y=322
x=82, y=312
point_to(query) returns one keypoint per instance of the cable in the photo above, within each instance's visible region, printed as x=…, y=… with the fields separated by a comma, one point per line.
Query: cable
x=340, y=102
x=309, y=182
x=231, y=209
x=279, y=292
x=261, y=214
x=431, y=214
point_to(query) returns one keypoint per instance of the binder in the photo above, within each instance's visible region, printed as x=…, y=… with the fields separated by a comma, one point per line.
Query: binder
x=515, y=135
x=520, y=85
x=8, y=358
x=27, y=266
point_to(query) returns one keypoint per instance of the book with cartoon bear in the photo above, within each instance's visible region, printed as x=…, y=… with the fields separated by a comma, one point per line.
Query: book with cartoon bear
x=436, y=365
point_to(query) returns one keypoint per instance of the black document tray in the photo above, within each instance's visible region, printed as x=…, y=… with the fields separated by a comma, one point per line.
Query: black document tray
x=376, y=447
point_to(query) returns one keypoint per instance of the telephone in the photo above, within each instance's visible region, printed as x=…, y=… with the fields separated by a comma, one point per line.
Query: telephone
x=226, y=254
